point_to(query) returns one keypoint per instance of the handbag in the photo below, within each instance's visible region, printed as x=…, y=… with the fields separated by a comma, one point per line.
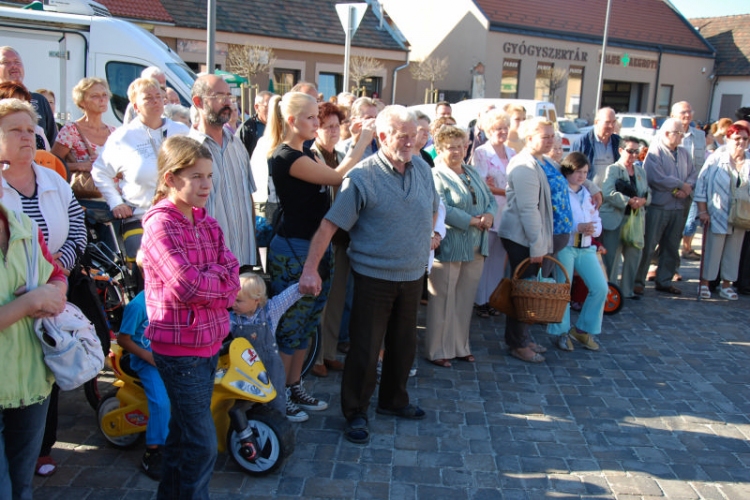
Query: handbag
x=82, y=183
x=501, y=298
x=739, y=211
x=72, y=351
x=634, y=229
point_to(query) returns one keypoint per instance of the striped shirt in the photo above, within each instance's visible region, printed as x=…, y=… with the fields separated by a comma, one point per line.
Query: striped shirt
x=75, y=244
x=231, y=200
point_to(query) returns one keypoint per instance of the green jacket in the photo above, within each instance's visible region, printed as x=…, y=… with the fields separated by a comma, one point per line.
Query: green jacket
x=25, y=378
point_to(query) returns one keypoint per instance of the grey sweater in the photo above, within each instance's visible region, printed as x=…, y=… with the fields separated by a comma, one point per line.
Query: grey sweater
x=389, y=217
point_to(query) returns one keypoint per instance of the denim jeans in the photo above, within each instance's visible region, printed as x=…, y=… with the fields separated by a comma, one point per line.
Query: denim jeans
x=158, y=401
x=191, y=448
x=21, y=431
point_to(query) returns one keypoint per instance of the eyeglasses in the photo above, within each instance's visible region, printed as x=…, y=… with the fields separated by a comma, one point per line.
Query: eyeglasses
x=675, y=132
x=740, y=139
x=221, y=97
x=12, y=62
x=467, y=181
x=331, y=128
x=632, y=151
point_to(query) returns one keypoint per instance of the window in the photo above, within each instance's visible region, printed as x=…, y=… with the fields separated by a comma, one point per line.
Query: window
x=119, y=77
x=543, y=77
x=665, y=99
x=330, y=84
x=629, y=122
x=371, y=86
x=574, y=92
x=509, y=82
x=285, y=79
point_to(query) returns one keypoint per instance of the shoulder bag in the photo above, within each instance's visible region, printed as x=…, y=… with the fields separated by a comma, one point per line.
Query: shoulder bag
x=82, y=183
x=72, y=351
x=739, y=211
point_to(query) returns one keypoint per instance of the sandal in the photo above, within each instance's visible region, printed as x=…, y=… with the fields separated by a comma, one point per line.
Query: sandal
x=356, y=431
x=483, y=311
x=469, y=359
x=443, y=363
x=704, y=292
x=536, y=358
x=45, y=466
x=538, y=348
x=728, y=293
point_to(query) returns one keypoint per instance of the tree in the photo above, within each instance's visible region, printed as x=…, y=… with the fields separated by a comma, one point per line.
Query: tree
x=557, y=78
x=361, y=67
x=432, y=69
x=249, y=60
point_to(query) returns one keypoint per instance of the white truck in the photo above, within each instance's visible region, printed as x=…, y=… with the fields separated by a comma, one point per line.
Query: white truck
x=72, y=39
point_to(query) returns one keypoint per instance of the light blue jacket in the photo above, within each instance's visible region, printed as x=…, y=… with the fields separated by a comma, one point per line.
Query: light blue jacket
x=714, y=188
x=461, y=238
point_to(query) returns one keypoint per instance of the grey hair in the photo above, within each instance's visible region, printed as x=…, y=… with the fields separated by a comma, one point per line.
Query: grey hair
x=391, y=115
x=152, y=72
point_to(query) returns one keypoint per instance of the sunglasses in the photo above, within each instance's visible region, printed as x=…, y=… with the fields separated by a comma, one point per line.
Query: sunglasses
x=632, y=151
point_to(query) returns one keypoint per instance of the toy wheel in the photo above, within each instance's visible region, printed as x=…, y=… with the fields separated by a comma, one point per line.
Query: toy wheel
x=614, y=300
x=108, y=404
x=274, y=437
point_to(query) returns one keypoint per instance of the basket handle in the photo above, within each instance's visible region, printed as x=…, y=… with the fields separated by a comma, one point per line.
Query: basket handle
x=525, y=263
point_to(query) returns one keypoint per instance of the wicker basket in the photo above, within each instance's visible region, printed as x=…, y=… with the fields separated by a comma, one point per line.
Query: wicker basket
x=538, y=302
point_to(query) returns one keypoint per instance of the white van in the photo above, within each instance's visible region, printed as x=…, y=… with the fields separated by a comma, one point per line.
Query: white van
x=59, y=48
x=468, y=110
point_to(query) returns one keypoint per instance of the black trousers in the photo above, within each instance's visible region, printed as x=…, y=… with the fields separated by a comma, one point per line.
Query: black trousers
x=383, y=313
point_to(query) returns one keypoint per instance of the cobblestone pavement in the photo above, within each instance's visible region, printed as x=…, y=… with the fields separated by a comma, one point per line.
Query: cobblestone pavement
x=660, y=412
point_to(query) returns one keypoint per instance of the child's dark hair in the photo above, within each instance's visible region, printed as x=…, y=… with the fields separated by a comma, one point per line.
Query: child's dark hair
x=574, y=161
x=177, y=153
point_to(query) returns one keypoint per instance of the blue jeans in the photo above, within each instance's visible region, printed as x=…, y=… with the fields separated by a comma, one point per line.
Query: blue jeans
x=21, y=431
x=691, y=224
x=158, y=401
x=586, y=264
x=191, y=448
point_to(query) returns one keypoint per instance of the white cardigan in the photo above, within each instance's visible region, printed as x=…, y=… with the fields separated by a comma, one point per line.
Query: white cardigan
x=583, y=212
x=55, y=196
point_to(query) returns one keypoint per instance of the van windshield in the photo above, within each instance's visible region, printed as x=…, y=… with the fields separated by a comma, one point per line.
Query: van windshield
x=184, y=73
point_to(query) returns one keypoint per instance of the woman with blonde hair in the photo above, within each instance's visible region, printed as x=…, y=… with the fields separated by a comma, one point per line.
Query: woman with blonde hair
x=130, y=155
x=491, y=162
x=301, y=181
x=470, y=211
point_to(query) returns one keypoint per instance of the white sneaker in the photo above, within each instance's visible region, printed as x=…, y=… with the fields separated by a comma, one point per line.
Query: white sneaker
x=293, y=412
x=298, y=396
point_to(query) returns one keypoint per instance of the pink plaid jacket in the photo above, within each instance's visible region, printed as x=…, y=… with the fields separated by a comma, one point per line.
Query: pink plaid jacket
x=191, y=279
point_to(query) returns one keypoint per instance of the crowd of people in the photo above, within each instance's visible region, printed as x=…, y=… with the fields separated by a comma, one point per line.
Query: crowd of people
x=374, y=209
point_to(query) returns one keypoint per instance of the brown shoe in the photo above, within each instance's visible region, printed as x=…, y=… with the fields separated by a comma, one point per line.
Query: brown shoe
x=333, y=364
x=319, y=371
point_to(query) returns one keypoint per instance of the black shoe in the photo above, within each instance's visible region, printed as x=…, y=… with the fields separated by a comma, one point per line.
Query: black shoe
x=343, y=347
x=151, y=463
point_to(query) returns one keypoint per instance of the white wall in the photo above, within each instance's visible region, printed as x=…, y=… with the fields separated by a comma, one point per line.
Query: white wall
x=730, y=85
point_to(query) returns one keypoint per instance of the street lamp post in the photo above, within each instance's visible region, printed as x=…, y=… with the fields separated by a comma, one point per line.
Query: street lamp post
x=604, y=57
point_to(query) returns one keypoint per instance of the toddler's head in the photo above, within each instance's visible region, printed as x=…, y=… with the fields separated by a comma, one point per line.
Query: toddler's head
x=252, y=294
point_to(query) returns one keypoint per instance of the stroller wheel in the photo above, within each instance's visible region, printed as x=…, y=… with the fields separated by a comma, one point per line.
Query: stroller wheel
x=614, y=300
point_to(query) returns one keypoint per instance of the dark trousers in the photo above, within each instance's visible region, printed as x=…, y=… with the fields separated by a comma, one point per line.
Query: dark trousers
x=517, y=333
x=383, y=313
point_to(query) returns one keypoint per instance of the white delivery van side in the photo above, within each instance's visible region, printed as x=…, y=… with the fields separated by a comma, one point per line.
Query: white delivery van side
x=468, y=110
x=58, y=49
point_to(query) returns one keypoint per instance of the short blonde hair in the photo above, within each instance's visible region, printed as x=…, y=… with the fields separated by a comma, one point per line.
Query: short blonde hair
x=445, y=134
x=84, y=85
x=492, y=117
x=532, y=125
x=141, y=85
x=253, y=286
x=13, y=105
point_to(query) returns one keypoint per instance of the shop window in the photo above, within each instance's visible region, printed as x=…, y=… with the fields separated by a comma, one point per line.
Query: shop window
x=574, y=92
x=665, y=99
x=330, y=84
x=543, y=77
x=509, y=82
x=370, y=87
x=285, y=79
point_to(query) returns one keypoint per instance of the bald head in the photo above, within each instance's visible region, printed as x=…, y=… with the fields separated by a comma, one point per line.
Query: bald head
x=604, y=124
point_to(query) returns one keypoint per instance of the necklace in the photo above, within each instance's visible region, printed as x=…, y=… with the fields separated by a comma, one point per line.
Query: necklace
x=467, y=182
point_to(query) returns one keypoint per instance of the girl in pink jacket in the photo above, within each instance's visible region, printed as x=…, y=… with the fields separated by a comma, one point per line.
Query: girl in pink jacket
x=191, y=280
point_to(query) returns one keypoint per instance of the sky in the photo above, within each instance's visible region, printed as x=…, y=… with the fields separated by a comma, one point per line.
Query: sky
x=712, y=8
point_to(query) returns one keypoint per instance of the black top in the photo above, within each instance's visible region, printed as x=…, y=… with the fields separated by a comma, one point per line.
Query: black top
x=304, y=204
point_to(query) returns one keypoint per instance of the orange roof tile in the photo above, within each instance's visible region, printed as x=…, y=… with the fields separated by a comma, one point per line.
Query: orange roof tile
x=647, y=23
x=730, y=36
x=147, y=10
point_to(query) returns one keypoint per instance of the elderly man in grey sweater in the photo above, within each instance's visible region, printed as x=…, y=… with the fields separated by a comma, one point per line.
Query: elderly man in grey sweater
x=388, y=203
x=671, y=176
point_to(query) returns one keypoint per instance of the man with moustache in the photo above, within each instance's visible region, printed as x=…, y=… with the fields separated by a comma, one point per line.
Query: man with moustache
x=231, y=200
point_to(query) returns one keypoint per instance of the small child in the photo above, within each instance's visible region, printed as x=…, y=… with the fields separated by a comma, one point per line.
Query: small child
x=255, y=318
x=191, y=281
x=130, y=338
